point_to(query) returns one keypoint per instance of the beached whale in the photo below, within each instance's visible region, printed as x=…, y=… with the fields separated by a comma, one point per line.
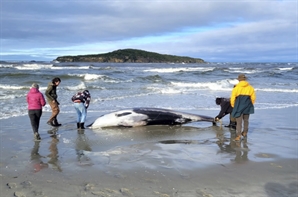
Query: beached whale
x=146, y=116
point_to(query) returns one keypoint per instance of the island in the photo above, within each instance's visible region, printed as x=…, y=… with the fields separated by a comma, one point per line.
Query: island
x=130, y=56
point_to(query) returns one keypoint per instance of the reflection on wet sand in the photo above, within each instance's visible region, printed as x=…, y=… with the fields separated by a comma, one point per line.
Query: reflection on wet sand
x=53, y=131
x=36, y=158
x=241, y=152
x=54, y=161
x=82, y=144
x=228, y=145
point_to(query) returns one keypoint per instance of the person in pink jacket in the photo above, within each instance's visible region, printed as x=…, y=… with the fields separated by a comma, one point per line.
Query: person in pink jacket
x=36, y=101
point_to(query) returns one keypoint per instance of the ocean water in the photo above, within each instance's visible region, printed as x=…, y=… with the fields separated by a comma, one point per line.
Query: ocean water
x=115, y=86
x=164, y=159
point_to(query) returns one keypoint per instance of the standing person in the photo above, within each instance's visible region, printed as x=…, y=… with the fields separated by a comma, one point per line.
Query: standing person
x=36, y=101
x=51, y=96
x=242, y=100
x=225, y=108
x=81, y=103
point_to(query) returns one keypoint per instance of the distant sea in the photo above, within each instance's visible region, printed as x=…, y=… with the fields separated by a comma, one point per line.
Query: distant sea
x=114, y=86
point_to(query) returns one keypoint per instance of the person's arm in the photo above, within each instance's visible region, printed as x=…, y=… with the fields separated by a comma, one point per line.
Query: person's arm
x=224, y=107
x=42, y=100
x=88, y=99
x=253, y=96
x=48, y=91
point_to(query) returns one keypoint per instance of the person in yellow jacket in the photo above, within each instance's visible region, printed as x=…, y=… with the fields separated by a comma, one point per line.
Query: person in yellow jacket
x=242, y=100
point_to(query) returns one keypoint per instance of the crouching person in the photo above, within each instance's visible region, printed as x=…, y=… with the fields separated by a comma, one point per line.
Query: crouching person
x=81, y=103
x=225, y=108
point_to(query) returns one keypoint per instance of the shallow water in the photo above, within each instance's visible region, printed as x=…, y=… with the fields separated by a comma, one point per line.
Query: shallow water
x=184, y=87
x=192, y=160
x=191, y=146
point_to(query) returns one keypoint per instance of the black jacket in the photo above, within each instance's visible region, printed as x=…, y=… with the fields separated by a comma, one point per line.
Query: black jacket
x=226, y=107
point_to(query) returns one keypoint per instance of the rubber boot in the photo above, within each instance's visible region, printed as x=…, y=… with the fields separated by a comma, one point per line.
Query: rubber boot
x=230, y=125
x=237, y=138
x=82, y=125
x=233, y=125
x=50, y=122
x=56, y=124
x=78, y=125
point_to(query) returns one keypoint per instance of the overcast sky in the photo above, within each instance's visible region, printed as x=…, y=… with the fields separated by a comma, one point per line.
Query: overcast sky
x=216, y=31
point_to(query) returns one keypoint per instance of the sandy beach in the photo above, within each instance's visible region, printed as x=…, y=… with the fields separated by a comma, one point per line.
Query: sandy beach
x=192, y=160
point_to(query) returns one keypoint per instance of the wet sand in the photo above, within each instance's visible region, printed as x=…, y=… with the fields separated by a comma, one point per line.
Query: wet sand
x=193, y=160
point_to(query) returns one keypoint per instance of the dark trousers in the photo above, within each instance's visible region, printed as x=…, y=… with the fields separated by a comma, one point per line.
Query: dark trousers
x=34, y=116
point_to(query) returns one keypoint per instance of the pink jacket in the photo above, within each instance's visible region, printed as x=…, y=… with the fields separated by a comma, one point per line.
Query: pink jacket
x=35, y=99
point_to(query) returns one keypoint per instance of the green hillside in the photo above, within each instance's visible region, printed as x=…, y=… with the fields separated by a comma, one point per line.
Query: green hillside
x=130, y=56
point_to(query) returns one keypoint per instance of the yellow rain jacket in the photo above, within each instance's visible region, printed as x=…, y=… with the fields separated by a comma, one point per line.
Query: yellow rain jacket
x=242, y=99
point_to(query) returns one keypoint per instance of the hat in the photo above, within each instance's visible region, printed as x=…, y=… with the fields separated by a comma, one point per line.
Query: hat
x=241, y=77
x=35, y=85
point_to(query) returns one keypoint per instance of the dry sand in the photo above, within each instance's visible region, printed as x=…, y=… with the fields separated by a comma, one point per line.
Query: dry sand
x=192, y=160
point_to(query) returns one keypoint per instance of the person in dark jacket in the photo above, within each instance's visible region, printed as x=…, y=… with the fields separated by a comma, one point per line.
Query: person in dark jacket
x=81, y=102
x=225, y=108
x=51, y=96
x=242, y=100
x=36, y=101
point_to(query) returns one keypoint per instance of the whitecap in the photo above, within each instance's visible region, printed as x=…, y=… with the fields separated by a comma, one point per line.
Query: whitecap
x=93, y=77
x=166, y=90
x=34, y=66
x=6, y=66
x=13, y=87
x=223, y=85
x=81, y=86
x=173, y=70
x=285, y=69
x=277, y=90
x=70, y=67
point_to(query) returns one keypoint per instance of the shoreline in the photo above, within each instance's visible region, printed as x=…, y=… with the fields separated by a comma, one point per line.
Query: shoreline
x=185, y=161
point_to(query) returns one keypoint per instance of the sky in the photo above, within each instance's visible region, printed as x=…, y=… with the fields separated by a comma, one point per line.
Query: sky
x=215, y=31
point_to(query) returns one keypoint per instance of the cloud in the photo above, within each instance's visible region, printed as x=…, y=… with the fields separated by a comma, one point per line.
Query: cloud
x=211, y=30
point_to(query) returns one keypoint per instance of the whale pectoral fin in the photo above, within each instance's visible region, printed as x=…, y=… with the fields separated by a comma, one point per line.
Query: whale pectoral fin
x=90, y=125
x=183, y=120
x=123, y=114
